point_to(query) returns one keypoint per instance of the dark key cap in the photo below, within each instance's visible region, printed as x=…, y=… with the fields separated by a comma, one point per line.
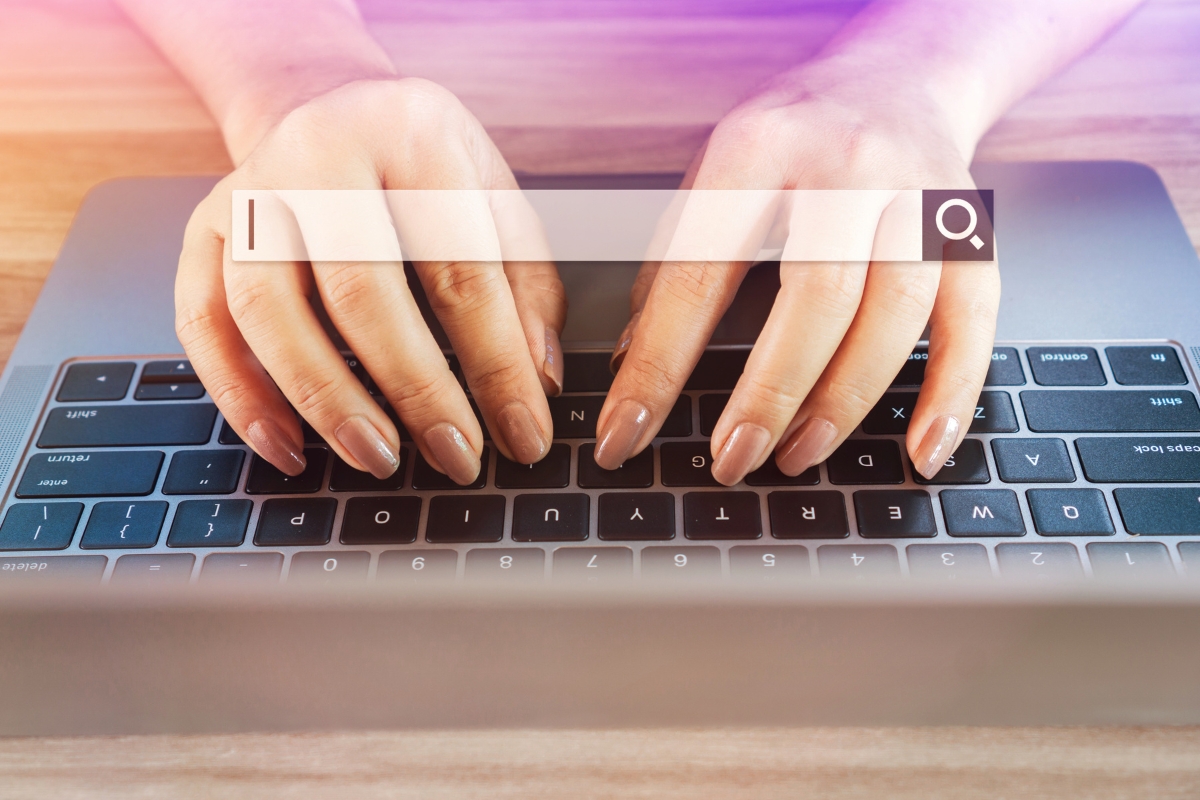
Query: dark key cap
x=993, y=414
x=966, y=465
x=228, y=435
x=858, y=561
x=169, y=391
x=718, y=369
x=178, y=371
x=426, y=477
x=204, y=472
x=769, y=475
x=417, y=565
x=210, y=523
x=686, y=464
x=307, y=521
x=913, y=371
x=345, y=478
x=1069, y=512
x=264, y=478
x=1111, y=412
x=587, y=372
x=465, y=518
x=1066, y=366
x=636, y=516
x=866, y=461
x=580, y=565
x=128, y=426
x=360, y=371
x=808, y=515
x=90, y=474
x=1033, y=461
x=1169, y=512
x=679, y=420
x=894, y=513
x=1141, y=460
x=636, y=473
x=53, y=569
x=953, y=562
x=1005, y=369
x=381, y=520
x=153, y=569
x=511, y=564
x=1130, y=560
x=84, y=382
x=242, y=568
x=328, y=568
x=721, y=515
x=711, y=406
x=39, y=526
x=551, y=517
x=1145, y=366
x=982, y=512
x=122, y=524
x=681, y=563
x=552, y=472
x=575, y=416
x=781, y=563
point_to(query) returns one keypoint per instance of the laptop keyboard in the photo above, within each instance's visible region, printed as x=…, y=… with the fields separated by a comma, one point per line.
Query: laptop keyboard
x=1080, y=462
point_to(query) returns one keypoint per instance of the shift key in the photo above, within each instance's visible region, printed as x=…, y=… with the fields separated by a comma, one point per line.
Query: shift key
x=129, y=426
x=1111, y=411
x=107, y=474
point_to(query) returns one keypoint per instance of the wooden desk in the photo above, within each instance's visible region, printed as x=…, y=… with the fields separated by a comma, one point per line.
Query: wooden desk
x=613, y=85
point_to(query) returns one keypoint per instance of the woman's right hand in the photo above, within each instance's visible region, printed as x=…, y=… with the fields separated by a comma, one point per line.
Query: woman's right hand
x=256, y=342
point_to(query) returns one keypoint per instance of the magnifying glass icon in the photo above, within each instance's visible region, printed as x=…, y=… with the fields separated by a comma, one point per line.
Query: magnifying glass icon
x=963, y=234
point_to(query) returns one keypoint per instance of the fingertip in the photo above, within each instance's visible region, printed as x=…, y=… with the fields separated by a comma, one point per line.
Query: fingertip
x=271, y=441
x=937, y=445
x=452, y=453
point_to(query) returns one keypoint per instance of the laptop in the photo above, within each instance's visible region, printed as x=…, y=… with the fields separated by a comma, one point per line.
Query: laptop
x=158, y=576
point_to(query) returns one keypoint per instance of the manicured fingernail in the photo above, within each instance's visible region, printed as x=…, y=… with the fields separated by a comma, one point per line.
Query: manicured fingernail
x=742, y=450
x=363, y=441
x=623, y=343
x=807, y=445
x=937, y=445
x=552, y=367
x=621, y=433
x=272, y=442
x=452, y=453
x=521, y=432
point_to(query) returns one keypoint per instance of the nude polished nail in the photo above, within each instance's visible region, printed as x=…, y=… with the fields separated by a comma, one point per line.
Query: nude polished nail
x=741, y=453
x=937, y=445
x=452, y=453
x=272, y=442
x=521, y=433
x=552, y=367
x=623, y=343
x=624, y=429
x=807, y=445
x=366, y=444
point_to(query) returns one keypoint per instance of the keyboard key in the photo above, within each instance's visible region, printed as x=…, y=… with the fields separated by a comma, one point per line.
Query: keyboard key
x=86, y=382
x=552, y=472
x=52, y=569
x=913, y=371
x=1069, y=512
x=954, y=562
x=575, y=417
x=465, y=518
x=128, y=426
x=39, y=526
x=679, y=420
x=360, y=371
x=859, y=561
x=1140, y=460
x=1111, y=412
x=681, y=563
x=982, y=512
x=587, y=372
x=636, y=473
x=1159, y=512
x=210, y=523
x=593, y=564
x=228, y=435
x=808, y=515
x=894, y=513
x=769, y=475
x=711, y=407
x=866, y=461
x=1033, y=461
x=345, y=478
x=1066, y=366
x=966, y=465
x=122, y=524
x=636, y=516
x=168, y=391
x=994, y=414
x=781, y=563
x=204, y=472
x=426, y=477
x=307, y=521
x=555, y=517
x=381, y=520
x=178, y=371
x=686, y=464
x=1130, y=560
x=331, y=567
x=721, y=515
x=90, y=474
x=514, y=564
x=718, y=369
x=242, y=568
x=1038, y=560
x=264, y=478
x=1005, y=369
x=153, y=569
x=417, y=565
x=1145, y=366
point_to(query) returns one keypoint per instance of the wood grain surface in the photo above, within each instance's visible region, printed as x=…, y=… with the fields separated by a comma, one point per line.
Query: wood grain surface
x=609, y=86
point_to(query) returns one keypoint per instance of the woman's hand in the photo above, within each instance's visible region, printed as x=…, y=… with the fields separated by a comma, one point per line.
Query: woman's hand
x=257, y=345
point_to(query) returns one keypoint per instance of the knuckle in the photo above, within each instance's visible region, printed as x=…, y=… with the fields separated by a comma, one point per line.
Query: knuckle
x=418, y=395
x=772, y=395
x=833, y=292
x=197, y=327
x=695, y=283
x=315, y=393
x=348, y=287
x=463, y=286
x=498, y=374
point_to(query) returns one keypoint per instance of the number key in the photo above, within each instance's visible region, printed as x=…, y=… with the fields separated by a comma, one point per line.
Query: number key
x=593, y=564
x=513, y=564
x=686, y=563
x=783, y=563
x=417, y=565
